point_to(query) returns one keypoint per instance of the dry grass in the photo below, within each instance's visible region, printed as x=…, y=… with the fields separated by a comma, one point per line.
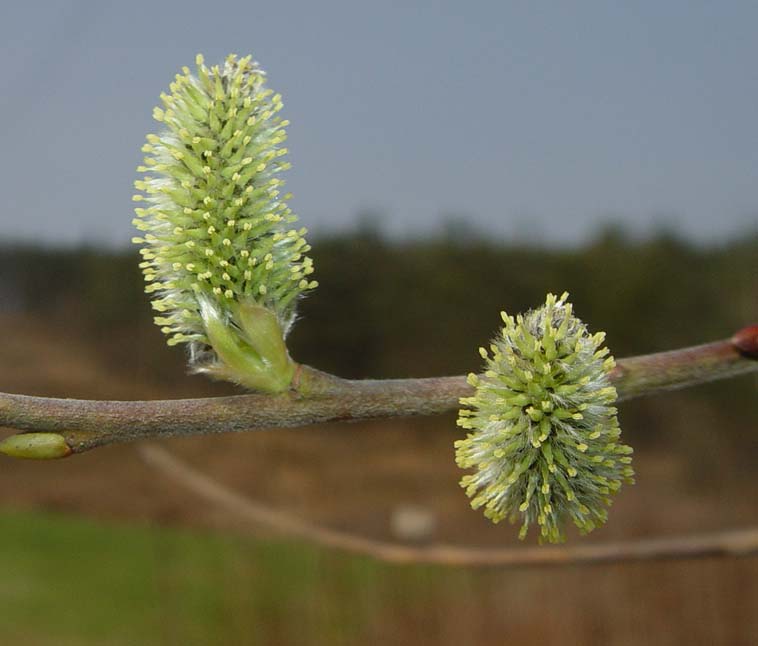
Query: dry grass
x=356, y=476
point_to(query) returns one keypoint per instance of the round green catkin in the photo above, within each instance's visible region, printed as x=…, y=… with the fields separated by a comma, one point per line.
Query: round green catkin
x=543, y=435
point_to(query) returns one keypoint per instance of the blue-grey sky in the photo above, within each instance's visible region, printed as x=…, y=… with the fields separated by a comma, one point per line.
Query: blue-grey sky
x=535, y=119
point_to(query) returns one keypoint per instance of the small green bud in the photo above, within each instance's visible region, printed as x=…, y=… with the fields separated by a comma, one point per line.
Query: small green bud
x=218, y=241
x=35, y=446
x=544, y=436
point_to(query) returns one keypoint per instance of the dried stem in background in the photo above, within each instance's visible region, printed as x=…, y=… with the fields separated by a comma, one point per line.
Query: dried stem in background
x=725, y=543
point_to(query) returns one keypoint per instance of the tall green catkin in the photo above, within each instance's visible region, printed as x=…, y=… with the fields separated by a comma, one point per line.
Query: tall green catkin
x=220, y=256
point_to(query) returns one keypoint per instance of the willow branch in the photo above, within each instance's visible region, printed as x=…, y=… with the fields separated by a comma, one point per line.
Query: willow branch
x=724, y=543
x=317, y=397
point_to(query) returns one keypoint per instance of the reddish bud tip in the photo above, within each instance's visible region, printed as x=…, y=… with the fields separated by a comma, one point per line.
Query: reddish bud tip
x=746, y=341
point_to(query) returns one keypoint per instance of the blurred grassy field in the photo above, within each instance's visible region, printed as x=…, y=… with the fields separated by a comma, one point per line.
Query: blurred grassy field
x=72, y=581
x=101, y=549
x=68, y=581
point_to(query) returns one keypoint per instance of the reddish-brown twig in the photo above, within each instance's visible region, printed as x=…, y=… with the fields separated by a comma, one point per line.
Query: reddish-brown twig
x=319, y=397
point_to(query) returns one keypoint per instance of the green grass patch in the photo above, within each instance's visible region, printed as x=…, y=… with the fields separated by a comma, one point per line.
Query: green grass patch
x=69, y=581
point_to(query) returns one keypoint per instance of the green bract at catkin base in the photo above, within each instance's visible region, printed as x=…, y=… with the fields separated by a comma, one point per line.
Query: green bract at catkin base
x=218, y=252
x=544, y=434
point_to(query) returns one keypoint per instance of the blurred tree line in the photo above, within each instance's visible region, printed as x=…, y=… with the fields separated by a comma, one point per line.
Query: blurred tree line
x=418, y=308
x=386, y=308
